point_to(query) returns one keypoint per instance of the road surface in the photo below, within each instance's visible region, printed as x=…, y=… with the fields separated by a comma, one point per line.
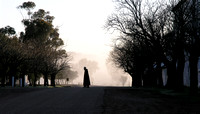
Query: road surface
x=55, y=100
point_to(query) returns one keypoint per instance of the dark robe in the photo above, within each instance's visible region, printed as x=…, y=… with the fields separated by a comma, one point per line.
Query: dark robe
x=86, y=81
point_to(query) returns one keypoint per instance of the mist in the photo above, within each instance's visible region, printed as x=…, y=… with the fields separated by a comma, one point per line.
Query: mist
x=106, y=74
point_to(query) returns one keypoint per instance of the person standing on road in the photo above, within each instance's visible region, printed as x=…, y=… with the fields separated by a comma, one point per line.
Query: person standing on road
x=86, y=80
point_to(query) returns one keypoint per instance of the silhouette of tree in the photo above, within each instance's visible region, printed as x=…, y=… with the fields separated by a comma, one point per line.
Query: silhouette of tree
x=38, y=51
x=156, y=34
x=194, y=45
x=186, y=13
x=44, y=44
x=4, y=67
x=28, y=6
x=7, y=31
x=142, y=27
x=68, y=73
x=11, y=54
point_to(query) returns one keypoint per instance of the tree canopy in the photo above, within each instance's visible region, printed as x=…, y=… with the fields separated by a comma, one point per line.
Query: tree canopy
x=38, y=51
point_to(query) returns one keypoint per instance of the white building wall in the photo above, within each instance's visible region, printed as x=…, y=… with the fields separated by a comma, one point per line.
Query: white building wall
x=186, y=75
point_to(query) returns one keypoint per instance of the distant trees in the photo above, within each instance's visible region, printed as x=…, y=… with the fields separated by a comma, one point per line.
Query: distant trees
x=38, y=51
x=67, y=74
x=117, y=74
x=155, y=35
x=91, y=65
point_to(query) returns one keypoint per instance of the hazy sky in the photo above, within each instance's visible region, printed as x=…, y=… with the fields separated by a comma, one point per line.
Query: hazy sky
x=80, y=21
x=80, y=25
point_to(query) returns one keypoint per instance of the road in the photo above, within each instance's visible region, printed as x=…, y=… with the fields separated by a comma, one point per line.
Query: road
x=55, y=100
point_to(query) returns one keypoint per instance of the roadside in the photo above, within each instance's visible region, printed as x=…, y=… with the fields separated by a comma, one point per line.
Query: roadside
x=148, y=100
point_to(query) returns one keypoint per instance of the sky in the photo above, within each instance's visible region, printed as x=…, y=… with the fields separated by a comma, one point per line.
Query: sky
x=81, y=26
x=80, y=21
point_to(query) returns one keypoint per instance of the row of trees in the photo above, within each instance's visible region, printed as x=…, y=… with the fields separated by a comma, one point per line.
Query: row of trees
x=36, y=52
x=154, y=35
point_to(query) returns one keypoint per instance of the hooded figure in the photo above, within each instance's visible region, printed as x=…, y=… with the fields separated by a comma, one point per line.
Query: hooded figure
x=86, y=80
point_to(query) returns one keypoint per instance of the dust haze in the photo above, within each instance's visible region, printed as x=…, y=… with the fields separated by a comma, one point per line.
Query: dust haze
x=101, y=72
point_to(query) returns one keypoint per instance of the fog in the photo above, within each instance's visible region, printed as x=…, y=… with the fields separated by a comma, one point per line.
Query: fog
x=80, y=35
x=106, y=74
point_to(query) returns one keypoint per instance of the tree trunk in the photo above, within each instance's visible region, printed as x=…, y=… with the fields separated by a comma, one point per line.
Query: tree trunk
x=159, y=78
x=171, y=73
x=194, y=51
x=136, y=80
x=46, y=80
x=159, y=75
x=10, y=80
x=3, y=80
x=53, y=76
x=15, y=81
x=149, y=79
x=4, y=75
x=35, y=79
x=29, y=79
x=193, y=63
x=179, y=72
x=23, y=79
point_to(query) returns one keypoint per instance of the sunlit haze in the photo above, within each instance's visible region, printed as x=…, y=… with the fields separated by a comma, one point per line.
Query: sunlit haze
x=81, y=26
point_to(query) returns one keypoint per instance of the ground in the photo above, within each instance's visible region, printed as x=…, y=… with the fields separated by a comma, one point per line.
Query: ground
x=150, y=100
x=96, y=100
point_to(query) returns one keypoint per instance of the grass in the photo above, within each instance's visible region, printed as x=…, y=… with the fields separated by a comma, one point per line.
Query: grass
x=150, y=100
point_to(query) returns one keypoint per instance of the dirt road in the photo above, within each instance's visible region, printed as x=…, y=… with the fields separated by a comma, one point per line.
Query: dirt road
x=55, y=100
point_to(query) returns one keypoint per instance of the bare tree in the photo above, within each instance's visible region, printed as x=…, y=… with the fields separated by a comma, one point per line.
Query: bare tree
x=186, y=13
x=143, y=25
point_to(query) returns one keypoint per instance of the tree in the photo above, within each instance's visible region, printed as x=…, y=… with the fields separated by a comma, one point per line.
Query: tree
x=176, y=46
x=7, y=31
x=186, y=30
x=193, y=43
x=194, y=46
x=11, y=54
x=45, y=47
x=145, y=25
x=59, y=64
x=67, y=73
x=4, y=58
x=28, y=6
x=38, y=51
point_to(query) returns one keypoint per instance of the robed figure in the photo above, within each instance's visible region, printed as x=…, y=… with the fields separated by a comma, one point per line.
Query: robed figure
x=86, y=80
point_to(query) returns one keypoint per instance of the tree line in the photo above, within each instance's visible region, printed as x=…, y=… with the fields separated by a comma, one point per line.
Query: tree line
x=36, y=52
x=154, y=35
